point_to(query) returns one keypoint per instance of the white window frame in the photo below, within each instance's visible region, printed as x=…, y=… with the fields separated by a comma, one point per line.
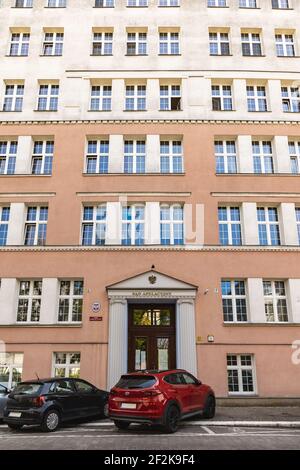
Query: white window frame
x=297, y=214
x=104, y=4
x=219, y=40
x=56, y=3
x=281, y=4
x=137, y=3
x=234, y=297
x=290, y=99
x=50, y=95
x=217, y=93
x=67, y=366
x=4, y=223
x=262, y=156
x=9, y=362
x=100, y=97
x=51, y=43
x=226, y=155
x=171, y=155
x=139, y=96
x=31, y=297
x=273, y=298
x=173, y=92
x=257, y=98
x=294, y=155
x=44, y=156
x=267, y=222
x=251, y=39
x=247, y=3
x=23, y=39
x=171, y=222
x=13, y=97
x=23, y=3
x=37, y=222
x=281, y=39
x=217, y=3
x=165, y=38
x=10, y=158
x=98, y=225
x=133, y=223
x=139, y=42
x=229, y=222
x=105, y=40
x=239, y=367
x=134, y=155
x=97, y=156
x=169, y=3
x=71, y=297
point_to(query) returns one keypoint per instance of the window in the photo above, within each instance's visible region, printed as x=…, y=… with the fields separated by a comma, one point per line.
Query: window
x=4, y=219
x=70, y=301
x=240, y=373
x=229, y=226
x=290, y=99
x=53, y=43
x=169, y=43
x=8, y=155
x=29, y=301
x=268, y=226
x=170, y=97
x=135, y=99
x=97, y=156
x=297, y=211
x=137, y=3
x=248, y=4
x=280, y=4
x=169, y=3
x=285, y=45
x=94, y=225
x=11, y=366
x=136, y=43
x=36, y=225
x=24, y=3
x=171, y=158
x=134, y=156
x=102, y=43
x=19, y=44
x=234, y=300
x=13, y=99
x=133, y=224
x=105, y=3
x=219, y=43
x=257, y=98
x=171, y=224
x=57, y=3
x=294, y=151
x=48, y=97
x=216, y=3
x=225, y=154
x=101, y=97
x=221, y=98
x=42, y=157
x=251, y=44
x=262, y=157
x=275, y=301
x=66, y=364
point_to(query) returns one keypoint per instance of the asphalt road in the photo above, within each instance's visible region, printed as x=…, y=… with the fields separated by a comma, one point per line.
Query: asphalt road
x=191, y=436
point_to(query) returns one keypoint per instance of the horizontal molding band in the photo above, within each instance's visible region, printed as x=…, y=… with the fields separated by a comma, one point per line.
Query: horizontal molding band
x=254, y=194
x=27, y=194
x=135, y=193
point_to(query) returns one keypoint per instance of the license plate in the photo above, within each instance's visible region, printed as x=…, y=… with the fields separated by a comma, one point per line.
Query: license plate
x=128, y=406
x=14, y=414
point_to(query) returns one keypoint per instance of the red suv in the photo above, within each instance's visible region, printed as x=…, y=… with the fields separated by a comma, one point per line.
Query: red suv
x=159, y=397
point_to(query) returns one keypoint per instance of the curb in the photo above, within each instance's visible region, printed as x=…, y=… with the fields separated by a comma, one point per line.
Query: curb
x=256, y=424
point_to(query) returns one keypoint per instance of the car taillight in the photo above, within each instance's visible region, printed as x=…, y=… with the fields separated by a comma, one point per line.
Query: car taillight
x=38, y=401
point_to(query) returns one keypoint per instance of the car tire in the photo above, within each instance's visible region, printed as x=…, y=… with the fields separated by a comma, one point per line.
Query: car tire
x=122, y=424
x=172, y=419
x=14, y=427
x=209, y=408
x=51, y=421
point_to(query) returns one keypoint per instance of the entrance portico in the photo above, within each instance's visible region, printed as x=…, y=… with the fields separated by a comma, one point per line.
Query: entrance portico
x=144, y=300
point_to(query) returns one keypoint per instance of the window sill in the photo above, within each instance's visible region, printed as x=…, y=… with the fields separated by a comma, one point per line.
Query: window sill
x=288, y=56
x=13, y=111
x=216, y=6
x=101, y=55
x=221, y=55
x=258, y=174
x=132, y=174
x=280, y=9
x=24, y=175
x=51, y=55
x=249, y=8
x=254, y=56
x=40, y=325
x=136, y=55
x=226, y=324
x=223, y=110
x=99, y=110
x=259, y=111
x=134, y=110
x=45, y=110
x=17, y=55
x=170, y=110
x=171, y=55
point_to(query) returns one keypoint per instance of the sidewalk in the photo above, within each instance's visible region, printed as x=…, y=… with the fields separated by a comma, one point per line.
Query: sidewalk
x=257, y=413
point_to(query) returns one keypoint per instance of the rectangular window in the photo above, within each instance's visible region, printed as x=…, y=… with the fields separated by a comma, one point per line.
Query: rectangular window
x=240, y=374
x=170, y=97
x=11, y=368
x=171, y=157
x=221, y=98
x=53, y=43
x=66, y=364
x=216, y=3
x=262, y=157
x=135, y=99
x=169, y=3
x=137, y=3
x=57, y=3
x=48, y=97
x=136, y=43
x=101, y=98
x=134, y=156
x=4, y=220
x=133, y=224
x=13, y=98
x=8, y=155
x=297, y=212
x=24, y=3
x=285, y=46
x=229, y=225
x=251, y=44
x=104, y=3
x=171, y=224
x=19, y=44
x=225, y=155
x=290, y=99
x=294, y=151
x=248, y=3
x=42, y=157
x=36, y=225
x=275, y=301
x=268, y=226
x=257, y=98
x=29, y=301
x=102, y=43
x=280, y=4
x=234, y=300
x=70, y=301
x=97, y=156
x=169, y=43
x=93, y=225
x=219, y=43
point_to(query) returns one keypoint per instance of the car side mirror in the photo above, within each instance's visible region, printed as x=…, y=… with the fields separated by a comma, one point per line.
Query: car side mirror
x=199, y=383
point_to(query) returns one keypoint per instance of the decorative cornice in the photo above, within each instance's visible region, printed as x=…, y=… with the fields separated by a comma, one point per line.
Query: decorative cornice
x=267, y=194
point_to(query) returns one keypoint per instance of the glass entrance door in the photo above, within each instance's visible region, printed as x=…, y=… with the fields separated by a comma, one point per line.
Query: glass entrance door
x=151, y=337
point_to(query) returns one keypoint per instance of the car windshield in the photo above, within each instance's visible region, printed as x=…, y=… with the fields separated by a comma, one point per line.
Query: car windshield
x=136, y=381
x=27, y=389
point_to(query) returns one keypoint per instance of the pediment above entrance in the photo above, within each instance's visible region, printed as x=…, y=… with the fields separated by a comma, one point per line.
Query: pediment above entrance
x=152, y=280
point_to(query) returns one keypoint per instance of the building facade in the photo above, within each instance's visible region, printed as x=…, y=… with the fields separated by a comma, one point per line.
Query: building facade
x=149, y=191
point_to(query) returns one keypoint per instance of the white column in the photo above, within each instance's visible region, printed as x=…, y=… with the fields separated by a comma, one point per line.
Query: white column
x=288, y=224
x=275, y=100
x=240, y=96
x=116, y=152
x=153, y=95
x=8, y=301
x=249, y=223
x=256, y=300
x=152, y=223
x=244, y=154
x=293, y=290
x=118, y=96
x=24, y=152
x=186, y=336
x=153, y=154
x=281, y=152
x=49, y=303
x=113, y=223
x=118, y=341
x=15, y=234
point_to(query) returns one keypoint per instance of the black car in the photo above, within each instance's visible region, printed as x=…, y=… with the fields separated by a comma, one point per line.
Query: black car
x=3, y=399
x=49, y=402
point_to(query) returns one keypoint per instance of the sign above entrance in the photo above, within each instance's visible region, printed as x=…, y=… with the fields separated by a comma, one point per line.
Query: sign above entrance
x=152, y=293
